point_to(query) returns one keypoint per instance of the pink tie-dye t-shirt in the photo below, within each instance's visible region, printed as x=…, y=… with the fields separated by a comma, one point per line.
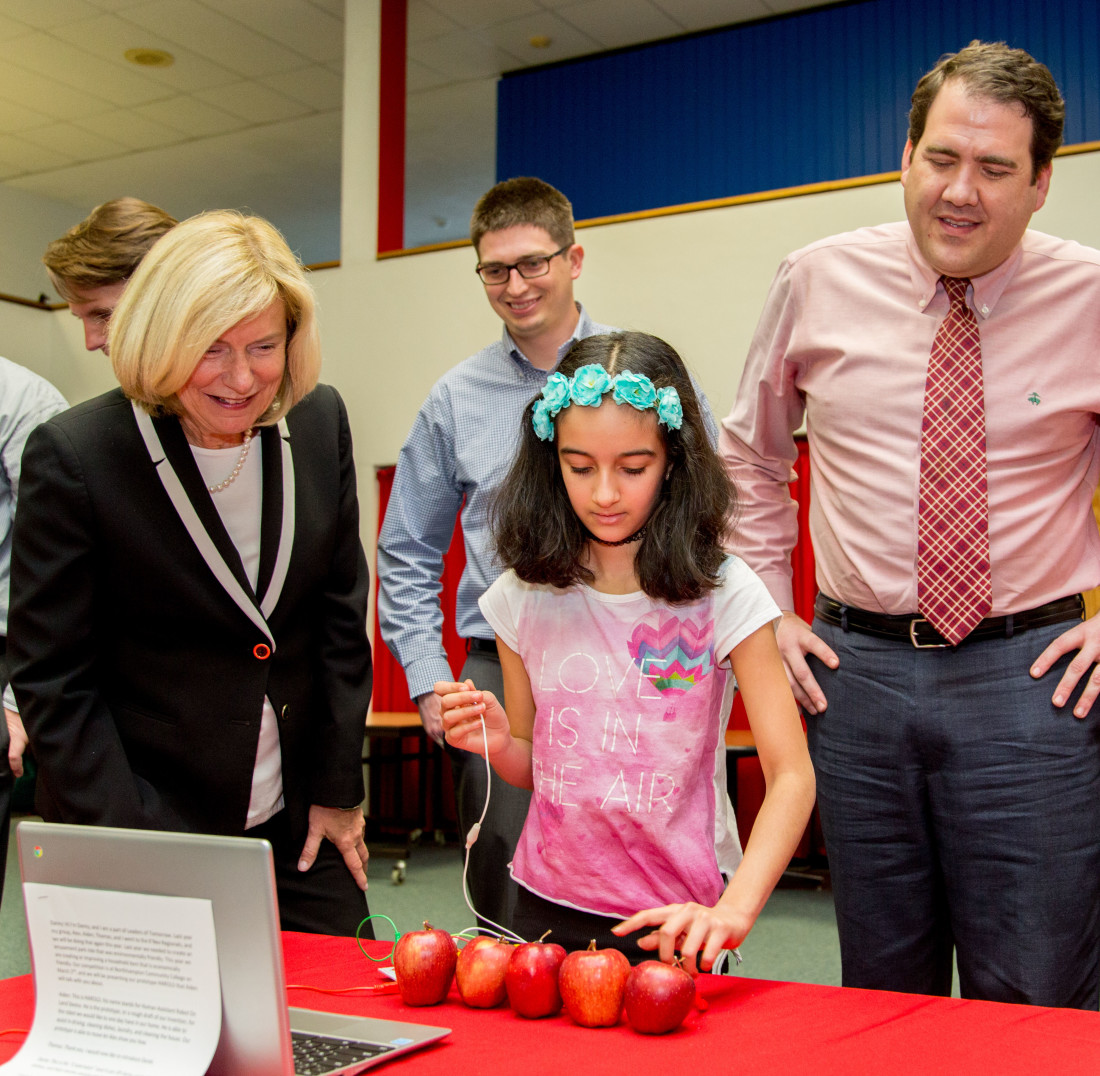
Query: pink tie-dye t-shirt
x=632, y=696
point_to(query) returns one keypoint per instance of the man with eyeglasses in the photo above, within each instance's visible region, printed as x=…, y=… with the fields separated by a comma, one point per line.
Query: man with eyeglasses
x=455, y=457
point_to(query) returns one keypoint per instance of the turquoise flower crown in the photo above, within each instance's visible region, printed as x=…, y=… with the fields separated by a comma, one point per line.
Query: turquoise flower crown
x=588, y=386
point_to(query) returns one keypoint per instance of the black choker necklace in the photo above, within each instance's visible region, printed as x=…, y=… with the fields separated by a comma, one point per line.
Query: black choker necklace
x=637, y=536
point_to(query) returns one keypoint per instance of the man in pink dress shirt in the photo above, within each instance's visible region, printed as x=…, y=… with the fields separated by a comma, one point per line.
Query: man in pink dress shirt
x=959, y=786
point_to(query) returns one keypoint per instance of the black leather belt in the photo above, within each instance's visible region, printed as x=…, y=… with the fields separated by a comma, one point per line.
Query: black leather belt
x=914, y=629
x=486, y=646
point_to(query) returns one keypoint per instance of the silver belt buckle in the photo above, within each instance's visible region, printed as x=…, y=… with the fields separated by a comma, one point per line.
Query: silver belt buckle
x=913, y=636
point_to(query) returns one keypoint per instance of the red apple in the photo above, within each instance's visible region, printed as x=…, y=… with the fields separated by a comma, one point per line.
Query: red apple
x=532, y=978
x=592, y=982
x=424, y=962
x=480, y=971
x=658, y=997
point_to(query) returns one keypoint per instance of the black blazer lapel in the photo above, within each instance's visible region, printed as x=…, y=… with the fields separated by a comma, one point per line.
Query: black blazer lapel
x=183, y=483
x=271, y=519
x=182, y=461
x=277, y=523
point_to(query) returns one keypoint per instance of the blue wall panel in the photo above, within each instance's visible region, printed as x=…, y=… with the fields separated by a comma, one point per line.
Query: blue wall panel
x=801, y=99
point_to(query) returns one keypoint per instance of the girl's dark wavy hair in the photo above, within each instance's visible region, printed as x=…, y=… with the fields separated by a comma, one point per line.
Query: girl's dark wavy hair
x=538, y=534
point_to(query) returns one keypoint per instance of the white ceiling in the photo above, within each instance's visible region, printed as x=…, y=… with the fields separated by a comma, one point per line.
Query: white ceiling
x=249, y=113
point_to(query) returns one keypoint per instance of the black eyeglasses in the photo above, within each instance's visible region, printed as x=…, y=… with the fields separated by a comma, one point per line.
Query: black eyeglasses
x=530, y=267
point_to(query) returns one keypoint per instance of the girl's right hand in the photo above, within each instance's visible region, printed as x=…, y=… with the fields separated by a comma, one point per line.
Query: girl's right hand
x=463, y=706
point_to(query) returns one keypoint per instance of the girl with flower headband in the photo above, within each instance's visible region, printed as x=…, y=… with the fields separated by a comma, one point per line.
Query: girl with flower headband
x=621, y=625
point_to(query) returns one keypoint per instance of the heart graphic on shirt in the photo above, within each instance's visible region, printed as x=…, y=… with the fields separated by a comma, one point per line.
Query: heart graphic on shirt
x=674, y=654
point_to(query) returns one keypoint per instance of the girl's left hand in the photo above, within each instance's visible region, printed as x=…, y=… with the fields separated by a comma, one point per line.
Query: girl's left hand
x=688, y=928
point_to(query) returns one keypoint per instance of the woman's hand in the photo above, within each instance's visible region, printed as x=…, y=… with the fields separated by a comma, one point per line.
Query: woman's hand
x=345, y=830
x=688, y=929
x=463, y=707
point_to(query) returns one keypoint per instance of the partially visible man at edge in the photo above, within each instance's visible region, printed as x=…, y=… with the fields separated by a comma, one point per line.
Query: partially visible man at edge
x=91, y=263
x=25, y=400
x=958, y=767
x=90, y=266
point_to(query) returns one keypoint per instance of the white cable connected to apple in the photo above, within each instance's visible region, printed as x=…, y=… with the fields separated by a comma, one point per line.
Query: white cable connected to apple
x=471, y=838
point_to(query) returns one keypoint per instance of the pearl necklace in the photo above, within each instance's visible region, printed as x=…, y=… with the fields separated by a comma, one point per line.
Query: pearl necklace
x=226, y=483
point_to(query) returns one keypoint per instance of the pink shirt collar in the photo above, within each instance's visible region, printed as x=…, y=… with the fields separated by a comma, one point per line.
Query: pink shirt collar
x=985, y=290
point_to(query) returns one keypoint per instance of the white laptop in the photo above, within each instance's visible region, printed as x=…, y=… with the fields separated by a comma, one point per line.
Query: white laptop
x=260, y=1035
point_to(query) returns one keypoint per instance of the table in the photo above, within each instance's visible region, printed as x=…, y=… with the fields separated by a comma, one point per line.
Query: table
x=395, y=728
x=751, y=1027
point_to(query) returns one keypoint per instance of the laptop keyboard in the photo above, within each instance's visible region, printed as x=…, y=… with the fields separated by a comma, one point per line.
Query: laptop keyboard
x=315, y=1055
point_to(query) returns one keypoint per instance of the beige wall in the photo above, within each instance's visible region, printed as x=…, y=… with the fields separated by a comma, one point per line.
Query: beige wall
x=390, y=328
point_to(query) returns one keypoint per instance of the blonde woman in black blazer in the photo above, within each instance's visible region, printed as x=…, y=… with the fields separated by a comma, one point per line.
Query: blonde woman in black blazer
x=189, y=590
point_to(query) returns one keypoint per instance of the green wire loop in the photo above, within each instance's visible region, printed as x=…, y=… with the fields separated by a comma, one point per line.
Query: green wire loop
x=359, y=940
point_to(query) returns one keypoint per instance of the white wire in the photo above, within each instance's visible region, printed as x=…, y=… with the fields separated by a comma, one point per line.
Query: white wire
x=471, y=838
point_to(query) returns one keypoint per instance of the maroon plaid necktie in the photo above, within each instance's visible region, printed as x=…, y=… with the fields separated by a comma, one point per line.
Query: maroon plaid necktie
x=954, y=588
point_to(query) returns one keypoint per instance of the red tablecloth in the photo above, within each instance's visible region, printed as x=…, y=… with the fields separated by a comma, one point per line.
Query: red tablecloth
x=752, y=1026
